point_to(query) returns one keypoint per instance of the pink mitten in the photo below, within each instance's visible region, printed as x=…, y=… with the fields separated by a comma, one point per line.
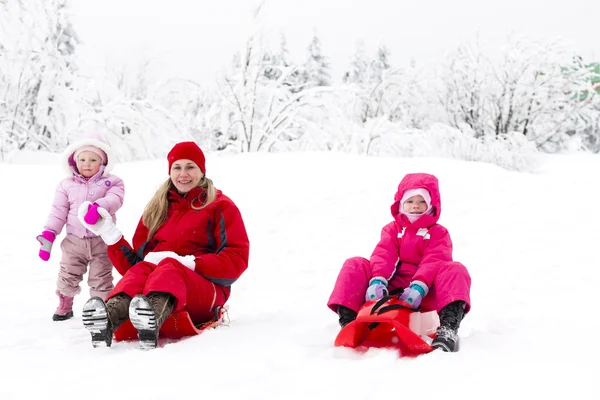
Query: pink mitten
x=92, y=216
x=46, y=239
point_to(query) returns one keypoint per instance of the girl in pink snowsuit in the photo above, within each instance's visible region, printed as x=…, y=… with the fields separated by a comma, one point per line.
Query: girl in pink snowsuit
x=87, y=163
x=414, y=255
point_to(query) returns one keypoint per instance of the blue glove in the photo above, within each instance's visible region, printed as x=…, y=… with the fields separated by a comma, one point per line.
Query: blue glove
x=413, y=295
x=377, y=288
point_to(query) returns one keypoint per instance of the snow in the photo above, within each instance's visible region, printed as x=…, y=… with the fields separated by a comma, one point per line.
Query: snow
x=529, y=241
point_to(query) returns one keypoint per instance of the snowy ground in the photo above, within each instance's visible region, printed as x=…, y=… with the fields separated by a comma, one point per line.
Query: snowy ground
x=530, y=241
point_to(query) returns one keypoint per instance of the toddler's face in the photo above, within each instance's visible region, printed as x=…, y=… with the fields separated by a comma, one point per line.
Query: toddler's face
x=88, y=163
x=415, y=205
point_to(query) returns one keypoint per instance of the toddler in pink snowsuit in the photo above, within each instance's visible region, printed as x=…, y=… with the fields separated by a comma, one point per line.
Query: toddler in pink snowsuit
x=87, y=163
x=414, y=256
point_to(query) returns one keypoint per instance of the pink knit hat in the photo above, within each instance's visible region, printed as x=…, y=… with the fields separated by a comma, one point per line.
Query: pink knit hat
x=93, y=149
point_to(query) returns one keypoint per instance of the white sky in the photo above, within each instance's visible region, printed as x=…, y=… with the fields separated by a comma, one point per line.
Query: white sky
x=534, y=265
x=195, y=38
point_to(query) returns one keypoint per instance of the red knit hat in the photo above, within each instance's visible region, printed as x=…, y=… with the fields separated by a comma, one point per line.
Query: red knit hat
x=189, y=151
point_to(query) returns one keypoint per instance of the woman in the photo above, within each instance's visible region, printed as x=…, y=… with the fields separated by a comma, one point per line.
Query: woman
x=190, y=246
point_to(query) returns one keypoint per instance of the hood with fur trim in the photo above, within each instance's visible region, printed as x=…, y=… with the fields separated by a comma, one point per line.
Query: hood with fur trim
x=69, y=164
x=414, y=181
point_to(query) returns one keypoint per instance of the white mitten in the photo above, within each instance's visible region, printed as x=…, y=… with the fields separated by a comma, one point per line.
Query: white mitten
x=188, y=261
x=105, y=227
x=157, y=256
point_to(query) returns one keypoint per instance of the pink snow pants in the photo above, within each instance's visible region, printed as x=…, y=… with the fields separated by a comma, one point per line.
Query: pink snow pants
x=193, y=293
x=77, y=254
x=451, y=283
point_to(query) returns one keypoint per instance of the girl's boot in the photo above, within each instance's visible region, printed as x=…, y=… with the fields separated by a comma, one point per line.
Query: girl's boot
x=346, y=315
x=446, y=337
x=65, y=308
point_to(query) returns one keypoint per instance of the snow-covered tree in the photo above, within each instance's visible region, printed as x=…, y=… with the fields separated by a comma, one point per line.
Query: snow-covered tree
x=370, y=93
x=259, y=109
x=37, y=75
x=278, y=62
x=317, y=69
x=527, y=89
x=578, y=118
x=465, y=90
x=140, y=116
x=380, y=64
x=196, y=108
x=358, y=69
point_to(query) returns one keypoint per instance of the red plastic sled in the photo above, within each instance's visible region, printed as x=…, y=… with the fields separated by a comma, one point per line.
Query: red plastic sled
x=390, y=324
x=176, y=326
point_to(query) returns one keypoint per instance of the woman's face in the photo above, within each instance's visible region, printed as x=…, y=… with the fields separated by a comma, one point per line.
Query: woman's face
x=415, y=205
x=185, y=175
x=88, y=163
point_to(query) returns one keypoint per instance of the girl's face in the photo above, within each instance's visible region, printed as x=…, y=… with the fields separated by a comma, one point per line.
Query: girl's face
x=88, y=163
x=415, y=205
x=185, y=175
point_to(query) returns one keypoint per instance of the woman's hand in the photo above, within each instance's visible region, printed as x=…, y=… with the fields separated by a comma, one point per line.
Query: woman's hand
x=158, y=256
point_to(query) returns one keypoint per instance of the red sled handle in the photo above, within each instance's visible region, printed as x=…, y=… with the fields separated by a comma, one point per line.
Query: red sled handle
x=390, y=324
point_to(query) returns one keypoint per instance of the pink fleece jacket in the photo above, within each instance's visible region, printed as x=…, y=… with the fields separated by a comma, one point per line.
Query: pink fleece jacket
x=420, y=246
x=103, y=188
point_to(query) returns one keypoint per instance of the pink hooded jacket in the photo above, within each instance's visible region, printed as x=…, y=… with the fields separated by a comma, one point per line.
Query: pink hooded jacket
x=414, y=250
x=103, y=188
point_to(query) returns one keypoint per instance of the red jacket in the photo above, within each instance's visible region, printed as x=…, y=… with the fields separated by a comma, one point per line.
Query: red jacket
x=215, y=235
x=414, y=251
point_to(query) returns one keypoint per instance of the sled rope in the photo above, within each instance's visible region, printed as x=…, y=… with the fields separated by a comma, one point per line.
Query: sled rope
x=393, y=294
x=376, y=308
x=221, y=318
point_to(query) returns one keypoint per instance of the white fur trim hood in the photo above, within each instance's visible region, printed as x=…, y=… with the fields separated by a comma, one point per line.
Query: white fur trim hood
x=67, y=157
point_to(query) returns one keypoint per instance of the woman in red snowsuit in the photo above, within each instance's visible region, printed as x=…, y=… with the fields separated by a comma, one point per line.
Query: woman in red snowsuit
x=190, y=246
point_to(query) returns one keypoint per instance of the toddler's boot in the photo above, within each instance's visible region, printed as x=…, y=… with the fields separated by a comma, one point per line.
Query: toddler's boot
x=346, y=315
x=446, y=337
x=102, y=319
x=65, y=308
x=147, y=315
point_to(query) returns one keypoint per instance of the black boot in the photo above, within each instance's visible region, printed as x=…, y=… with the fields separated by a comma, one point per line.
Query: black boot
x=346, y=315
x=102, y=319
x=147, y=315
x=446, y=337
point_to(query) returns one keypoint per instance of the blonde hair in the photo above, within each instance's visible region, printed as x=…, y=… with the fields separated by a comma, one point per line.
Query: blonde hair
x=155, y=213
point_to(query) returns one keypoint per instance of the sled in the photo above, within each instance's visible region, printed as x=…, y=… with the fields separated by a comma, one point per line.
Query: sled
x=390, y=323
x=176, y=326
